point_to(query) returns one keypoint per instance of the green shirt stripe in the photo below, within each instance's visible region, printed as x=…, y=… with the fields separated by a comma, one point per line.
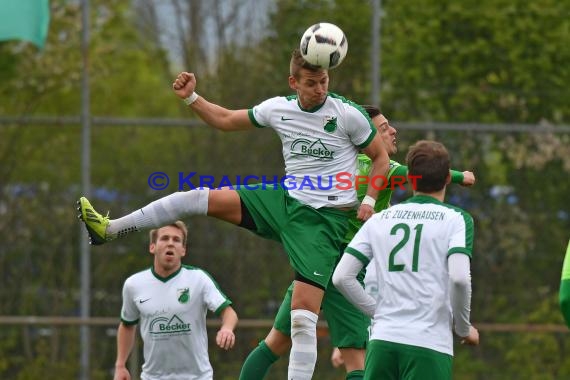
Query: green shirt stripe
x=222, y=307
x=252, y=119
x=359, y=255
x=129, y=323
x=368, y=140
x=459, y=250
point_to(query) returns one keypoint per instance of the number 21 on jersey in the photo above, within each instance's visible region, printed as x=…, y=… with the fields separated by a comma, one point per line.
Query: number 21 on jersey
x=392, y=266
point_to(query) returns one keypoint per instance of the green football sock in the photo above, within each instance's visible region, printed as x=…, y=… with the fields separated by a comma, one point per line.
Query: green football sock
x=355, y=375
x=257, y=363
x=565, y=300
x=565, y=287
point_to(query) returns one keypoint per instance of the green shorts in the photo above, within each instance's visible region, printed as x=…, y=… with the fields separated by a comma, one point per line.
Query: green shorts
x=393, y=361
x=348, y=326
x=311, y=237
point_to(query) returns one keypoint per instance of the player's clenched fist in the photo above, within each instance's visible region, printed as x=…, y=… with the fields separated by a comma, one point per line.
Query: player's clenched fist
x=468, y=179
x=365, y=212
x=184, y=84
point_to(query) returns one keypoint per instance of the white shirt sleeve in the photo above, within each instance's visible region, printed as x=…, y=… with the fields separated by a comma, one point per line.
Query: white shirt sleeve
x=459, y=268
x=214, y=298
x=129, y=310
x=358, y=127
x=262, y=112
x=344, y=278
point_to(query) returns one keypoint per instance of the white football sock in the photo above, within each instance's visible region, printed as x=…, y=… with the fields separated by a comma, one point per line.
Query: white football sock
x=303, y=356
x=161, y=212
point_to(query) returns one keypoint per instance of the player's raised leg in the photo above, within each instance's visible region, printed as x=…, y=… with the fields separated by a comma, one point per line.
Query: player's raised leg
x=222, y=203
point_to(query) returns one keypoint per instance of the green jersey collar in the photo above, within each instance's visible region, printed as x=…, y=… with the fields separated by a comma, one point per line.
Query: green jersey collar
x=314, y=109
x=423, y=199
x=165, y=279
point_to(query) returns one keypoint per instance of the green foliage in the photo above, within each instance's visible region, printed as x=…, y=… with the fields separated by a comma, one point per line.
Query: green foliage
x=500, y=61
x=466, y=61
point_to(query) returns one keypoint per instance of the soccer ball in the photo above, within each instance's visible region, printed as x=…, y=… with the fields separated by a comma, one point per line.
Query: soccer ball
x=324, y=45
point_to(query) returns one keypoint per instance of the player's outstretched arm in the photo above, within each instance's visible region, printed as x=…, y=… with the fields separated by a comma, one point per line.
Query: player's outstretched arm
x=380, y=166
x=225, y=338
x=216, y=116
x=465, y=178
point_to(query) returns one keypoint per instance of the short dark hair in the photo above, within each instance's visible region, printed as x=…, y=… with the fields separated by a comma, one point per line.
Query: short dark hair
x=298, y=62
x=372, y=111
x=430, y=161
x=153, y=234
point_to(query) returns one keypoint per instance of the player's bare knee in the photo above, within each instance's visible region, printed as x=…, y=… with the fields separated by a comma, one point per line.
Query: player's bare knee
x=307, y=296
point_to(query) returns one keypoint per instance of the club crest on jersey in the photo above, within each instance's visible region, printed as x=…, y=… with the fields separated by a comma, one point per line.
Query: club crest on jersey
x=304, y=147
x=183, y=295
x=330, y=124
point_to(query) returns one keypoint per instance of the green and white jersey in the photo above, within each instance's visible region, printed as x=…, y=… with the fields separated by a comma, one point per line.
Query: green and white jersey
x=172, y=316
x=319, y=145
x=409, y=245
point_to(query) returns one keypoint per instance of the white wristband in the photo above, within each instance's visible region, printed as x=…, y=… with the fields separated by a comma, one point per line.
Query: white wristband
x=368, y=200
x=191, y=99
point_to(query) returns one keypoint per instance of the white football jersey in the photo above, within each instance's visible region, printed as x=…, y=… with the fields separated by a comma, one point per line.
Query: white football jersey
x=371, y=281
x=172, y=316
x=408, y=244
x=319, y=146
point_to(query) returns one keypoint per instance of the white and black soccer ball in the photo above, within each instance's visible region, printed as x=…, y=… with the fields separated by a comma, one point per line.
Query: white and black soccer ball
x=324, y=45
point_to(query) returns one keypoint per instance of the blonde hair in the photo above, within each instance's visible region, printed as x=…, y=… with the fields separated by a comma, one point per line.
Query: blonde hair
x=153, y=234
